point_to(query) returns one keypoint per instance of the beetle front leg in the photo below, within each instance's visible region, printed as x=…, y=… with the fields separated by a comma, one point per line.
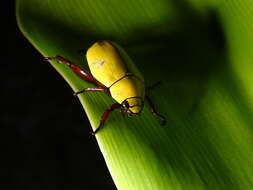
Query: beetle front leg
x=76, y=69
x=105, y=116
x=154, y=111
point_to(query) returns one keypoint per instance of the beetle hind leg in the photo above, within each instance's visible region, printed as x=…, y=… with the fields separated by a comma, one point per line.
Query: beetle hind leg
x=77, y=70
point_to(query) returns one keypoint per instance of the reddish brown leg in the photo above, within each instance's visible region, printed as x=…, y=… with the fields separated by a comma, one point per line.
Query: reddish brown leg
x=78, y=70
x=91, y=90
x=154, y=111
x=106, y=115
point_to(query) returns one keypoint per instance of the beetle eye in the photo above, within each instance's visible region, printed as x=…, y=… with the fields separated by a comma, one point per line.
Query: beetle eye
x=125, y=104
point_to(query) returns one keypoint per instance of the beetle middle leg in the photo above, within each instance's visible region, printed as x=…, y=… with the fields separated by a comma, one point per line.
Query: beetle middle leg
x=105, y=116
x=154, y=111
x=92, y=90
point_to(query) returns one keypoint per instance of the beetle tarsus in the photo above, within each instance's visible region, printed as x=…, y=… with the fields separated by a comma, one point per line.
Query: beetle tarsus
x=97, y=129
x=92, y=133
x=79, y=92
x=154, y=111
x=49, y=58
x=162, y=119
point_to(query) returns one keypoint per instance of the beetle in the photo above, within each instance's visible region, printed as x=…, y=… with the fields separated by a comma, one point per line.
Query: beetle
x=114, y=73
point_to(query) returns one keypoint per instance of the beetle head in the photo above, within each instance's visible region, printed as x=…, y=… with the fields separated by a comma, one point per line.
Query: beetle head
x=132, y=106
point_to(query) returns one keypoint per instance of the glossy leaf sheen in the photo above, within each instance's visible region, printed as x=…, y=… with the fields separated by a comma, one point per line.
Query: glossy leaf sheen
x=201, y=51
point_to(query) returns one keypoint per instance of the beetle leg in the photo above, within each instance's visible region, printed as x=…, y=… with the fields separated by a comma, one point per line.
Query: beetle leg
x=91, y=90
x=154, y=111
x=76, y=69
x=106, y=115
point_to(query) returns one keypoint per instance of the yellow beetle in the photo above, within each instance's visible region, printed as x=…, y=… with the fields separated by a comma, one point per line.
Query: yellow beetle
x=110, y=73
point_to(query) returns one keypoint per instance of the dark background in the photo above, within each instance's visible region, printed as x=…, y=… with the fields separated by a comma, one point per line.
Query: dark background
x=44, y=135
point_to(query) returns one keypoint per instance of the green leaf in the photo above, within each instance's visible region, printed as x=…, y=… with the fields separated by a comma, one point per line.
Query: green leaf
x=201, y=51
